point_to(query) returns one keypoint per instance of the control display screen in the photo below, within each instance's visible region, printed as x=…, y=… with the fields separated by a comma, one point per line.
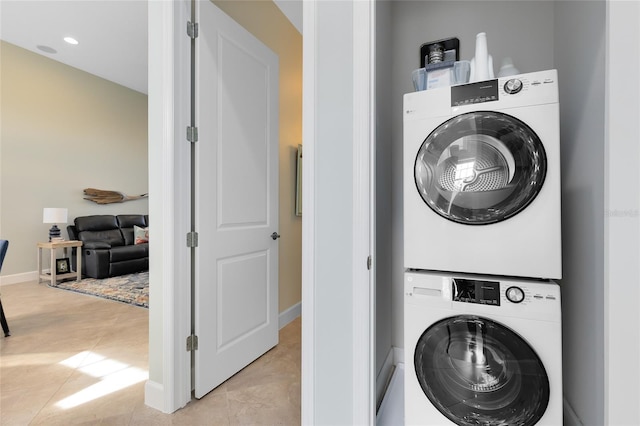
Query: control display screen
x=474, y=93
x=476, y=291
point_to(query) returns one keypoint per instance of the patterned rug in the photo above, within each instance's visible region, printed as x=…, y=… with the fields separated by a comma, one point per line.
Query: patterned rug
x=132, y=289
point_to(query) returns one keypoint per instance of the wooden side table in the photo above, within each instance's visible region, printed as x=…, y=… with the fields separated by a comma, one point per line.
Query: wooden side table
x=52, y=246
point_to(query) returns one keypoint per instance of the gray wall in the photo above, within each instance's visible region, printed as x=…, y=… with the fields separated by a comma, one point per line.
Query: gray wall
x=570, y=36
x=622, y=215
x=580, y=59
x=383, y=148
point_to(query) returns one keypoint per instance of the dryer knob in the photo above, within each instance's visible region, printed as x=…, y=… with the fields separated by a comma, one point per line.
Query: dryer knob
x=515, y=294
x=513, y=86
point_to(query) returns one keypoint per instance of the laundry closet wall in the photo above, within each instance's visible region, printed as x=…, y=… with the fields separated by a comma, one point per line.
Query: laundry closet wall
x=405, y=26
x=571, y=37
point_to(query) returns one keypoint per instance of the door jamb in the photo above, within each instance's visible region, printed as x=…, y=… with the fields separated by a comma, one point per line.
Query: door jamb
x=363, y=213
x=169, y=384
x=362, y=362
x=308, y=348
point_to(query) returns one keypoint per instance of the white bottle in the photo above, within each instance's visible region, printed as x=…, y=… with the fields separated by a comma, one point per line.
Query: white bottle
x=507, y=68
x=482, y=63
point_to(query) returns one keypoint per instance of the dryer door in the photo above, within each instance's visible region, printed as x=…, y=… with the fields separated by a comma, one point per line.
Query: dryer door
x=480, y=167
x=478, y=372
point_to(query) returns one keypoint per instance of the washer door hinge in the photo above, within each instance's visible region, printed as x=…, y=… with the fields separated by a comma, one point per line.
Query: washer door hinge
x=192, y=239
x=192, y=343
x=192, y=134
x=192, y=29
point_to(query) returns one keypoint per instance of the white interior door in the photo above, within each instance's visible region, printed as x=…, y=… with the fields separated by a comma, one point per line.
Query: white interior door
x=236, y=207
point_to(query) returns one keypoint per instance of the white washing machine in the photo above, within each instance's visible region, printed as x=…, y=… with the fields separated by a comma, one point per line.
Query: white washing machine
x=482, y=351
x=482, y=178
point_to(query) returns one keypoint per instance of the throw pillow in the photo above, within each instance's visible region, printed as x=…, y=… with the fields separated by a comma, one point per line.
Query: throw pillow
x=140, y=235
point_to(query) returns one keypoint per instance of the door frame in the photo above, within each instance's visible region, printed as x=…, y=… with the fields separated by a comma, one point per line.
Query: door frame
x=169, y=384
x=361, y=408
x=169, y=100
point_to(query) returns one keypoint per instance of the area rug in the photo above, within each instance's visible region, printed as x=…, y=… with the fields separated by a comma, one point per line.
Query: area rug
x=132, y=289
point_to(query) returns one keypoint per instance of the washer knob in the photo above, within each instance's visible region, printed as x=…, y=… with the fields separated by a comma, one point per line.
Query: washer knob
x=515, y=294
x=513, y=86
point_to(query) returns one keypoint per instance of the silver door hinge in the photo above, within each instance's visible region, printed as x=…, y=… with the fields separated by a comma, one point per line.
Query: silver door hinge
x=369, y=262
x=192, y=29
x=192, y=134
x=192, y=343
x=192, y=239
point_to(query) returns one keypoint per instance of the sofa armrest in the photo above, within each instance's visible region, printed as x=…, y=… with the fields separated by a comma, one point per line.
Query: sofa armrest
x=96, y=245
x=96, y=261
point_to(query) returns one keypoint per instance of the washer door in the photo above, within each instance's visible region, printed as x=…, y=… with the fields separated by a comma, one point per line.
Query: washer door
x=478, y=372
x=480, y=167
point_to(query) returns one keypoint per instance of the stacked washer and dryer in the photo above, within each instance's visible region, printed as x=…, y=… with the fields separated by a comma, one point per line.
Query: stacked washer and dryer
x=482, y=243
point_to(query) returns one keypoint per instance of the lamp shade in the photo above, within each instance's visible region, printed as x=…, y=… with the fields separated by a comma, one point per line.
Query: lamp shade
x=54, y=215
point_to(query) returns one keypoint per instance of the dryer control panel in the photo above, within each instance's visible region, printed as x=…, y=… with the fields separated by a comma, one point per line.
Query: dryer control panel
x=474, y=93
x=518, y=90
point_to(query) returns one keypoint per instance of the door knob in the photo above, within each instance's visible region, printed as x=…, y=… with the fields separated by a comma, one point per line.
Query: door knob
x=275, y=236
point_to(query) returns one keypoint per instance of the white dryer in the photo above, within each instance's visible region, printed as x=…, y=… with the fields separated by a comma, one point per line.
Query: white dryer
x=481, y=351
x=482, y=178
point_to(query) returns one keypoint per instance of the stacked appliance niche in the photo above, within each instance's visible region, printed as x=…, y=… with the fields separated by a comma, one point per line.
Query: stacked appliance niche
x=482, y=243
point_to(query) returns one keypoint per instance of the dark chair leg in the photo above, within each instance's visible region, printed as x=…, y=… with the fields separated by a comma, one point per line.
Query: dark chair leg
x=3, y=320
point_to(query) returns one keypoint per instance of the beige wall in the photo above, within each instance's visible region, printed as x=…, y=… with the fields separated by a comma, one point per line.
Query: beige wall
x=63, y=130
x=265, y=21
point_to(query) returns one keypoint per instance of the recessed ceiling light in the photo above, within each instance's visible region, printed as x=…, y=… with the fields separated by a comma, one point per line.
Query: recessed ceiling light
x=71, y=40
x=47, y=49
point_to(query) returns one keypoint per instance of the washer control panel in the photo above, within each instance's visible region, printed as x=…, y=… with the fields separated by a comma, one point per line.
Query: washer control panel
x=482, y=295
x=492, y=293
x=476, y=291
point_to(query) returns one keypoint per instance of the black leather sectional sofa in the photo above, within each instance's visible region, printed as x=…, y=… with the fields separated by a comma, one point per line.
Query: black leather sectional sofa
x=109, y=247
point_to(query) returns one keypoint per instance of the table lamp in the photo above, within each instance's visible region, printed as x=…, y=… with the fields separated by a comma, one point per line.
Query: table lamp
x=55, y=216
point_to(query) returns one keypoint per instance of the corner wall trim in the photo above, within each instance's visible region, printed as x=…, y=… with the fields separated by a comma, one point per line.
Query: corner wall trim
x=289, y=315
x=570, y=418
x=154, y=395
x=384, y=376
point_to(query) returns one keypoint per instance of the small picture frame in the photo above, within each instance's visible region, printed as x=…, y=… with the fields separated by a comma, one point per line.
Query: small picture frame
x=62, y=266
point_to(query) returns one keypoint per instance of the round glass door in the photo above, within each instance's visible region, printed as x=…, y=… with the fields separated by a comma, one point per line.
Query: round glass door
x=478, y=372
x=480, y=168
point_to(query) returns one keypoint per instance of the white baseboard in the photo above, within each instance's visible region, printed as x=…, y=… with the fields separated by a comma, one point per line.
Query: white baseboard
x=20, y=278
x=289, y=315
x=570, y=418
x=394, y=357
x=391, y=412
x=384, y=376
x=154, y=396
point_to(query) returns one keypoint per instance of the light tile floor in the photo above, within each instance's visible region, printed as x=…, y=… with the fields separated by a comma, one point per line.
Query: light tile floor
x=76, y=359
